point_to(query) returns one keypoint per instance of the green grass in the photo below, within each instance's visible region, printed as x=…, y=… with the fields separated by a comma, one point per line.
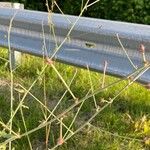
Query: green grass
x=127, y=116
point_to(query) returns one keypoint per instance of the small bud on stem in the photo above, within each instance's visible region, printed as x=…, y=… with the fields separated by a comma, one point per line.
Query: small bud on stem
x=142, y=50
x=60, y=140
x=49, y=61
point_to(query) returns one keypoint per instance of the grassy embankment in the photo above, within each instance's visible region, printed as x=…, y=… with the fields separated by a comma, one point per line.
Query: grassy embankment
x=123, y=125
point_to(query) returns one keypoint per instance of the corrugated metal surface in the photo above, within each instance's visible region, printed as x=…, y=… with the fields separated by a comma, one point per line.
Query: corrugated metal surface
x=91, y=42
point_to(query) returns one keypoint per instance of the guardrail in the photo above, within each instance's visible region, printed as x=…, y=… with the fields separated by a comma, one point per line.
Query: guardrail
x=90, y=43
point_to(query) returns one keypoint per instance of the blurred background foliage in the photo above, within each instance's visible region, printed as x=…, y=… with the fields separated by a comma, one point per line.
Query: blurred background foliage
x=137, y=11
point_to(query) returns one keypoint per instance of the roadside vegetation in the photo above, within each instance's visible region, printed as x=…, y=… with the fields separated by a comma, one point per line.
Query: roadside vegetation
x=124, y=124
x=49, y=105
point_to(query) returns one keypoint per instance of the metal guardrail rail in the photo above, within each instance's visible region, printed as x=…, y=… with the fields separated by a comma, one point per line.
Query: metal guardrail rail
x=91, y=42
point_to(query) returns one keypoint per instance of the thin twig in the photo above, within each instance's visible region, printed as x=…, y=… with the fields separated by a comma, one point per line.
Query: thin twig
x=105, y=106
x=7, y=128
x=125, y=51
x=113, y=134
x=60, y=100
x=75, y=104
x=25, y=127
x=104, y=73
x=4, y=59
x=25, y=94
x=62, y=12
x=11, y=65
x=63, y=81
x=92, y=89
x=69, y=32
x=75, y=117
x=51, y=113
